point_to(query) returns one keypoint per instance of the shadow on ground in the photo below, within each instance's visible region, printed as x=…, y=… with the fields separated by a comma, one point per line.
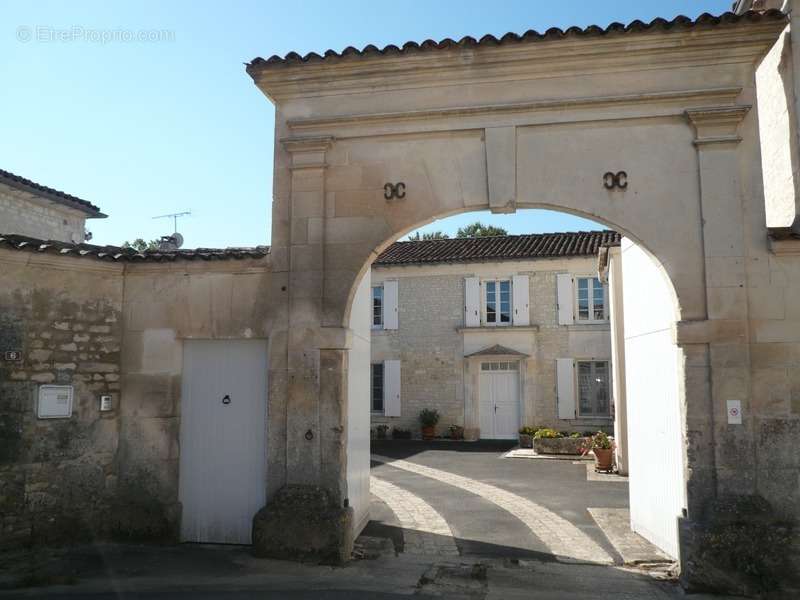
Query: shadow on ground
x=408, y=448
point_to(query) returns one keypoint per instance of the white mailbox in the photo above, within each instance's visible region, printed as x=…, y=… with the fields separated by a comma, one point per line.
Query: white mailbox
x=55, y=402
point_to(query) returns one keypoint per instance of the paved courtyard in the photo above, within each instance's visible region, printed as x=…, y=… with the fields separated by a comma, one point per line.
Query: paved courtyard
x=466, y=495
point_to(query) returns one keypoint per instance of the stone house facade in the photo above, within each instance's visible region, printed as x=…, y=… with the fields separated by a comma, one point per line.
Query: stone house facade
x=28, y=208
x=466, y=364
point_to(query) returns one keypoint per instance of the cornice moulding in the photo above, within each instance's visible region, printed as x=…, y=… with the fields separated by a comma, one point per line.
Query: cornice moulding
x=565, y=57
x=724, y=95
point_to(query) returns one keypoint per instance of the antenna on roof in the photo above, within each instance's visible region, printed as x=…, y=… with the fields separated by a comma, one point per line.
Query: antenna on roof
x=174, y=241
x=174, y=218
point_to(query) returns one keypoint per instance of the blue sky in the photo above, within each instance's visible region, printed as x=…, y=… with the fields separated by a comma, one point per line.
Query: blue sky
x=143, y=128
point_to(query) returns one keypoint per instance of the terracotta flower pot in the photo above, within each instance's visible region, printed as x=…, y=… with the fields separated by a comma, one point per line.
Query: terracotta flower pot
x=428, y=433
x=603, y=458
x=525, y=441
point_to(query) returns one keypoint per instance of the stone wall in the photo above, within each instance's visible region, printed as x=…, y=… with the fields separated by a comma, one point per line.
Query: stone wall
x=25, y=214
x=116, y=329
x=58, y=476
x=431, y=343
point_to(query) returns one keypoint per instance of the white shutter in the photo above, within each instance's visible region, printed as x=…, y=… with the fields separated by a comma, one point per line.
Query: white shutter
x=391, y=388
x=566, y=312
x=565, y=381
x=390, y=319
x=521, y=300
x=472, y=302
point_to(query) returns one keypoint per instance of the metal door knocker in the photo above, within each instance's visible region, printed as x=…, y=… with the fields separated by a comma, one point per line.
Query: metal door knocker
x=309, y=435
x=226, y=399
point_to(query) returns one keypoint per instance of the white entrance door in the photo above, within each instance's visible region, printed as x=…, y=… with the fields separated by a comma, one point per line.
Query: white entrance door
x=499, y=400
x=223, y=462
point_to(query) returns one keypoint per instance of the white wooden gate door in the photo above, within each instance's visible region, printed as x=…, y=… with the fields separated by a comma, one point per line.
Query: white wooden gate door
x=223, y=439
x=499, y=401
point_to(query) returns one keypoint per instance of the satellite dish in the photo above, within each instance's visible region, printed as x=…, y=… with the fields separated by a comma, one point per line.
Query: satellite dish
x=177, y=239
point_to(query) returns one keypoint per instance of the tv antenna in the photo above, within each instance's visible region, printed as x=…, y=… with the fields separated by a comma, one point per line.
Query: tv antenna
x=174, y=217
x=174, y=241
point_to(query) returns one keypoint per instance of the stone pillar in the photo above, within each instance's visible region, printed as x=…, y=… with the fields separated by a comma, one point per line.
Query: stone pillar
x=716, y=360
x=309, y=516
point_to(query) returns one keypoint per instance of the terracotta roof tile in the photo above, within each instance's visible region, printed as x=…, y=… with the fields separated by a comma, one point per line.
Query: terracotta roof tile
x=119, y=254
x=679, y=23
x=57, y=196
x=506, y=247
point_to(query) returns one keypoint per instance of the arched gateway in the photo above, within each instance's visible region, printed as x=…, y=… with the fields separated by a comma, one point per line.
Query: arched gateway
x=651, y=129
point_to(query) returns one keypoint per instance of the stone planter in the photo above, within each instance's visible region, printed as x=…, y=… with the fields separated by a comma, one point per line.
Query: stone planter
x=525, y=441
x=566, y=445
x=456, y=433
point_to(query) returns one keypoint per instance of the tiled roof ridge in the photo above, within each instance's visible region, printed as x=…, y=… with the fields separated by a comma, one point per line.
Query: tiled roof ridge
x=510, y=235
x=63, y=198
x=120, y=254
x=494, y=248
x=531, y=35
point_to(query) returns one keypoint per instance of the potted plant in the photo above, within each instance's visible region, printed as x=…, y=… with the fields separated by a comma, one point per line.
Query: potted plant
x=456, y=432
x=381, y=431
x=526, y=436
x=603, y=449
x=428, y=418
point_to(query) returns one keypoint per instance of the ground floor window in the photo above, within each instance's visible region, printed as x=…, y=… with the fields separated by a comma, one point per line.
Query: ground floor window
x=593, y=388
x=377, y=387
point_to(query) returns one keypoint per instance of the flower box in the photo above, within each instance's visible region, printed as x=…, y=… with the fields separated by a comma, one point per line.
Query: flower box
x=564, y=445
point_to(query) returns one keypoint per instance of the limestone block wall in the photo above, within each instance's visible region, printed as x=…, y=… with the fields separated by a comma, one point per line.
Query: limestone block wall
x=165, y=304
x=431, y=341
x=778, y=132
x=767, y=442
x=429, y=347
x=25, y=214
x=106, y=328
x=58, y=477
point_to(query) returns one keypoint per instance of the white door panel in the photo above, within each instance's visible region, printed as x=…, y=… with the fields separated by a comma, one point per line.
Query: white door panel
x=486, y=407
x=223, y=439
x=499, y=404
x=506, y=417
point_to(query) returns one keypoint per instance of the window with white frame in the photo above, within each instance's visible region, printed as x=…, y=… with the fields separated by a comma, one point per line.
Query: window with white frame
x=376, y=378
x=500, y=366
x=497, y=302
x=594, y=396
x=591, y=300
x=377, y=306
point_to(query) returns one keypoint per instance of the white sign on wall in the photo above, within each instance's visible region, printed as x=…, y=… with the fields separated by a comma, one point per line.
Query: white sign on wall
x=55, y=402
x=734, y=412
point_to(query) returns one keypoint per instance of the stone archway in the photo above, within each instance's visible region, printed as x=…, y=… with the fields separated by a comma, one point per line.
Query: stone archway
x=648, y=129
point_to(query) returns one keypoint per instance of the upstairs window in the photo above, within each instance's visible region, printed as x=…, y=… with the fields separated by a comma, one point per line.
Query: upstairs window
x=497, y=302
x=377, y=306
x=591, y=300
